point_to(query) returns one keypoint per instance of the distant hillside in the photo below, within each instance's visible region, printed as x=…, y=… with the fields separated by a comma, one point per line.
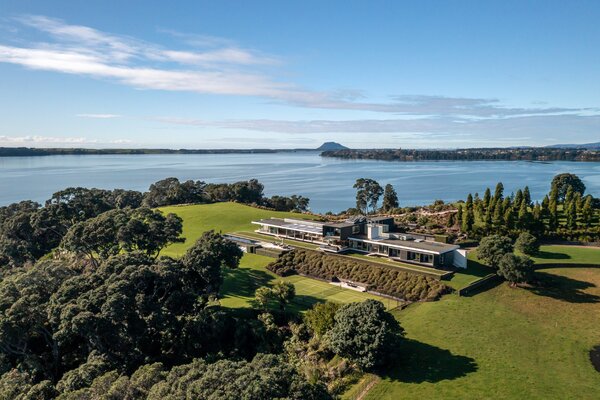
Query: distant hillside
x=331, y=146
x=576, y=146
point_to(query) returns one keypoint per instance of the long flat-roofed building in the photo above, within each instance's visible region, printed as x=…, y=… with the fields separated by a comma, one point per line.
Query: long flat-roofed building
x=373, y=236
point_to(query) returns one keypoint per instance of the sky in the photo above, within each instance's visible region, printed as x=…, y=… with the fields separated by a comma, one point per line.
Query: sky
x=294, y=74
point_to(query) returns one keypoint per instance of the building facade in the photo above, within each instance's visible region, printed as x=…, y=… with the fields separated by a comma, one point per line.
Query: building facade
x=373, y=236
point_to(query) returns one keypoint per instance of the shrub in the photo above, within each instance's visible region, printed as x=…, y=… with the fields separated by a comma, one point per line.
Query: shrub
x=387, y=280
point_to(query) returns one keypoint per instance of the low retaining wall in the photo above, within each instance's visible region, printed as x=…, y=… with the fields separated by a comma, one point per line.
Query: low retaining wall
x=478, y=284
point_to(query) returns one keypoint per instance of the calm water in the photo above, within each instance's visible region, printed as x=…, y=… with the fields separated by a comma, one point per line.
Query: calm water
x=326, y=181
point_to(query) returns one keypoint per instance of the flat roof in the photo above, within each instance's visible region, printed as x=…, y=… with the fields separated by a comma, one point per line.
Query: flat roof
x=295, y=225
x=430, y=247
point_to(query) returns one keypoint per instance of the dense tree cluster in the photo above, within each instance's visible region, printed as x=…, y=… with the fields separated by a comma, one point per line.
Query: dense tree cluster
x=386, y=280
x=497, y=252
x=564, y=213
x=134, y=327
x=526, y=154
x=365, y=333
x=29, y=230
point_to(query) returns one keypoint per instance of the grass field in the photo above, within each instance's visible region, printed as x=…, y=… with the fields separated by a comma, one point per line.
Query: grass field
x=568, y=255
x=504, y=343
x=222, y=217
x=239, y=286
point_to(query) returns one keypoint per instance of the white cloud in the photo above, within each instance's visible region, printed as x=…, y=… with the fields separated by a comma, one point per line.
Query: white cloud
x=217, y=66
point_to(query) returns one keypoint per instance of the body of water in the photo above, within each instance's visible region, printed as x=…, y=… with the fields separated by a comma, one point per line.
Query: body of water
x=326, y=181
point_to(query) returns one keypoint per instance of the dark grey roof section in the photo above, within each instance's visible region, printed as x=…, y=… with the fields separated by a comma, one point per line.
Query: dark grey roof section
x=434, y=247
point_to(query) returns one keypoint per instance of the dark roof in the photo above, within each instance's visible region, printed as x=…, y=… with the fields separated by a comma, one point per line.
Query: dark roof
x=435, y=247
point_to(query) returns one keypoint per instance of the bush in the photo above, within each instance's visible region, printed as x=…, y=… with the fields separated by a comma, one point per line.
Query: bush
x=527, y=244
x=387, y=280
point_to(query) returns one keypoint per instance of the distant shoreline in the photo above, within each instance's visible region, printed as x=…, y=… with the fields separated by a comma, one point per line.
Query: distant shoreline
x=39, y=152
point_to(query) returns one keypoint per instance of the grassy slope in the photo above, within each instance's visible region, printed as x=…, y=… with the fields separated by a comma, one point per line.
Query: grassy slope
x=568, y=255
x=503, y=343
x=222, y=217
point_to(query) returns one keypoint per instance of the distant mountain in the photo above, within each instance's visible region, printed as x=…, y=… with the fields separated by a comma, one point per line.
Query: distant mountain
x=331, y=146
x=576, y=146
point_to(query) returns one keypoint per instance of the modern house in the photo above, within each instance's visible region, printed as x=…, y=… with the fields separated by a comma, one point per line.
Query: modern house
x=374, y=236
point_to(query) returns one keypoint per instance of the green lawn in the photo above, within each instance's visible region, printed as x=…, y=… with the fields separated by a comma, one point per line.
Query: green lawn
x=222, y=217
x=505, y=343
x=568, y=255
x=239, y=286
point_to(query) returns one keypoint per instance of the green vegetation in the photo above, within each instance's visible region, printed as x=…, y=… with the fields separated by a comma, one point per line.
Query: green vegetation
x=561, y=255
x=221, y=217
x=503, y=343
x=379, y=278
x=240, y=284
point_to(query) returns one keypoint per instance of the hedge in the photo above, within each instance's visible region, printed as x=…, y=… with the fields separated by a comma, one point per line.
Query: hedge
x=378, y=278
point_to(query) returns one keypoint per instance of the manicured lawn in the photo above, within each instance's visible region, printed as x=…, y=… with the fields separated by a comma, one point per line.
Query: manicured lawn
x=475, y=270
x=568, y=255
x=504, y=343
x=239, y=286
x=222, y=217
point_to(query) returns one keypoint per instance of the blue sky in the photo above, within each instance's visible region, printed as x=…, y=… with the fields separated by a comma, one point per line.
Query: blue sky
x=279, y=74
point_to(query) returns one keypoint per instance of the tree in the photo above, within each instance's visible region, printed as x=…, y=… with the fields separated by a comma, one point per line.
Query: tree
x=170, y=191
x=281, y=292
x=571, y=209
x=527, y=244
x=499, y=192
x=368, y=192
x=515, y=269
x=469, y=202
x=492, y=248
x=365, y=333
x=563, y=181
x=321, y=317
x=459, y=214
x=527, y=196
x=284, y=292
x=524, y=216
x=267, y=376
x=468, y=221
x=587, y=212
x=486, y=198
x=390, y=199
x=207, y=258
x=117, y=230
x=451, y=222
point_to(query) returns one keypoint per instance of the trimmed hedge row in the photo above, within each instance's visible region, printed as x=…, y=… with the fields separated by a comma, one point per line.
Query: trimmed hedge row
x=386, y=280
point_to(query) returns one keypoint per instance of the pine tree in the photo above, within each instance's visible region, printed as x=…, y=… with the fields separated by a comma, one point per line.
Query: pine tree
x=469, y=203
x=451, y=220
x=390, y=198
x=524, y=217
x=572, y=215
x=509, y=219
x=587, y=212
x=468, y=221
x=518, y=199
x=527, y=196
x=498, y=218
x=499, y=193
x=459, y=214
x=553, y=209
x=486, y=199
